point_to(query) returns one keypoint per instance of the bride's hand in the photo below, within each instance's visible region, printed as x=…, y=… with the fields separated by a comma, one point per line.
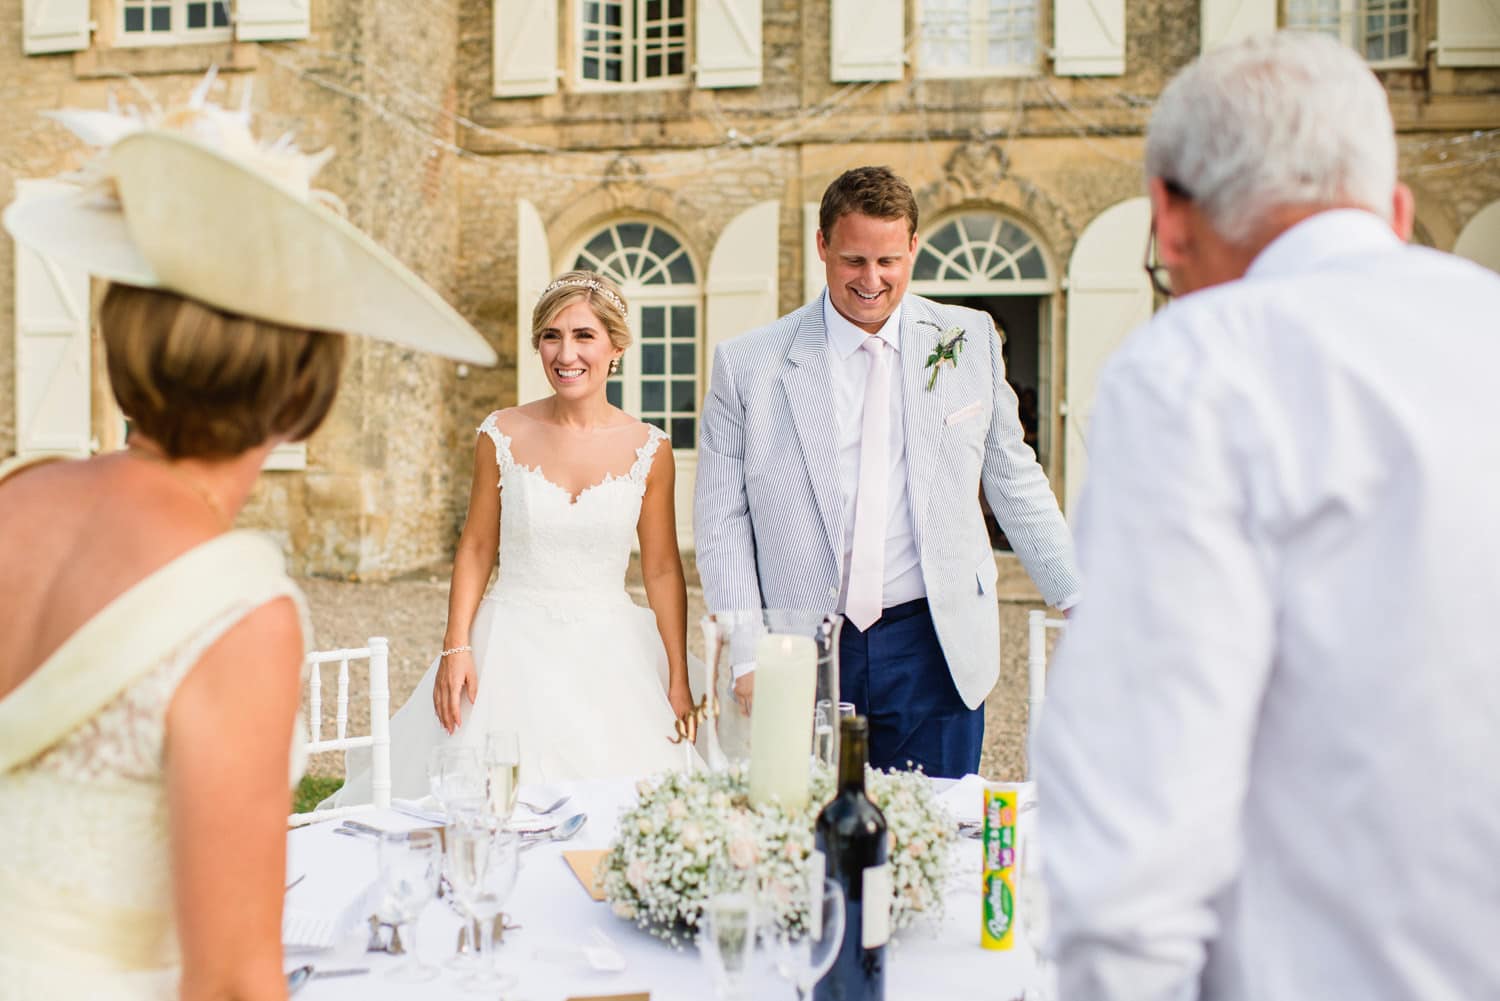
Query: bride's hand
x=455, y=675
x=681, y=698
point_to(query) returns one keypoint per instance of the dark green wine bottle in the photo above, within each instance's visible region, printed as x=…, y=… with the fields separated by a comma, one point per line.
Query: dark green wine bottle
x=851, y=834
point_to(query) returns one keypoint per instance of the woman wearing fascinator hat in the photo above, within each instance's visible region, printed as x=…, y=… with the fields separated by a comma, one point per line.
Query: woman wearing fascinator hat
x=150, y=654
x=593, y=685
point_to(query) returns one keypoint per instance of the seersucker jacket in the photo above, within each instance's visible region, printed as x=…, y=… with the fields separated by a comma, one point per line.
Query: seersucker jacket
x=767, y=516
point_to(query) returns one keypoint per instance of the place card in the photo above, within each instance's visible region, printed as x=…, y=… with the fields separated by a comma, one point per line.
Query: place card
x=637, y=996
x=585, y=865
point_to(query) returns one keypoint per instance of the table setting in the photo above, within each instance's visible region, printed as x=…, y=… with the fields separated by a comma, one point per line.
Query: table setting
x=684, y=885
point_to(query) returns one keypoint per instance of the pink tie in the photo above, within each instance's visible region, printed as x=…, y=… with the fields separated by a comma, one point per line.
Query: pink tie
x=867, y=558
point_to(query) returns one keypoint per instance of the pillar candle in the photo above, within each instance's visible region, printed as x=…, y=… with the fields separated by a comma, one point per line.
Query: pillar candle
x=781, y=719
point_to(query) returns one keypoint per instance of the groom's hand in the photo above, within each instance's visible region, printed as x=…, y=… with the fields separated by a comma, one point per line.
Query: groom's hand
x=744, y=691
x=455, y=675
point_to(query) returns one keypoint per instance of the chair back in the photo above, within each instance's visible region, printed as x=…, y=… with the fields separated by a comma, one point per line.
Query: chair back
x=376, y=653
x=1037, y=624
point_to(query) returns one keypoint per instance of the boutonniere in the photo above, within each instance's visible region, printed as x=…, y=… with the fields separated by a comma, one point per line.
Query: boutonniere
x=950, y=344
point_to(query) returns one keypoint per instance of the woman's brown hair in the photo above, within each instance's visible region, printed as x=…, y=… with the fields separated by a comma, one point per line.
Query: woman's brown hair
x=203, y=383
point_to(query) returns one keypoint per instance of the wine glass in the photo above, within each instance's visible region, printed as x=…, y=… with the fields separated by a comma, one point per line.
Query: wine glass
x=726, y=940
x=410, y=864
x=805, y=955
x=1032, y=906
x=502, y=766
x=456, y=779
x=483, y=862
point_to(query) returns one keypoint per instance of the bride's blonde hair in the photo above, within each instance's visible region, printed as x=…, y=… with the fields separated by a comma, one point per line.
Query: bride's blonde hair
x=602, y=295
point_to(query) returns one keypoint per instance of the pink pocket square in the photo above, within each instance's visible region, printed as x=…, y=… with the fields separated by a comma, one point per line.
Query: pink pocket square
x=964, y=413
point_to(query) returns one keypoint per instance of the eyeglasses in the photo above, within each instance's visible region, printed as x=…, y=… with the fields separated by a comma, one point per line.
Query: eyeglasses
x=1161, y=278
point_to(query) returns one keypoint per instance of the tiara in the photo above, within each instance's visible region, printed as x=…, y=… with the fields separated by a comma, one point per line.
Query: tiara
x=590, y=283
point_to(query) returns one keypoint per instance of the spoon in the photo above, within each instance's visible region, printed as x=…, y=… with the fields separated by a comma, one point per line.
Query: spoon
x=562, y=832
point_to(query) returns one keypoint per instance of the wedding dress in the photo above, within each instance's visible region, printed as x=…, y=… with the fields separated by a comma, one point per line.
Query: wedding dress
x=85, y=842
x=565, y=658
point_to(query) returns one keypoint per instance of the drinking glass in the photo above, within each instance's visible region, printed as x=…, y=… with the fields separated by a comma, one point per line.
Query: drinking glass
x=502, y=766
x=1033, y=910
x=410, y=864
x=726, y=940
x=804, y=956
x=483, y=862
x=455, y=778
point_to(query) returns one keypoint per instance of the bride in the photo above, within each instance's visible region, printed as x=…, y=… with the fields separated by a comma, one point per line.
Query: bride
x=557, y=652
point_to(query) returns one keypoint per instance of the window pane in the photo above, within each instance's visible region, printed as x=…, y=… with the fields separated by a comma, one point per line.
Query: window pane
x=632, y=234
x=685, y=357
x=681, y=270
x=1031, y=264
x=612, y=71
x=653, y=395
x=591, y=13
x=197, y=15
x=683, y=432
x=684, y=322
x=653, y=359
x=161, y=18
x=653, y=322
x=675, y=64
x=614, y=393
x=653, y=10
x=684, y=396
x=945, y=239
x=221, y=13
x=135, y=19
x=653, y=67
x=662, y=244
x=590, y=69
x=613, y=15
x=674, y=8
x=926, y=268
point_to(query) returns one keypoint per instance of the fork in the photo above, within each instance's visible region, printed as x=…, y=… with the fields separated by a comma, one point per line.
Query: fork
x=543, y=811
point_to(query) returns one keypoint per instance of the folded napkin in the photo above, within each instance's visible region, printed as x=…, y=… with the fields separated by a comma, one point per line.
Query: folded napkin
x=425, y=808
x=964, y=799
x=323, y=920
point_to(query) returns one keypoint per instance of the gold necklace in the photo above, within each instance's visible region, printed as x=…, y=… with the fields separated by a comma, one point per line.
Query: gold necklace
x=191, y=482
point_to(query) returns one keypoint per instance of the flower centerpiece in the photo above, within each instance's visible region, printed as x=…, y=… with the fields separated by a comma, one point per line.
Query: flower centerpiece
x=690, y=836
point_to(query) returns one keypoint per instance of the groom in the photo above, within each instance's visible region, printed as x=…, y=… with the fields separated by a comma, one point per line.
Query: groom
x=842, y=453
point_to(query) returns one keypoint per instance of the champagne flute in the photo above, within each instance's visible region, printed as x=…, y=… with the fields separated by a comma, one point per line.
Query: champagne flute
x=455, y=778
x=726, y=940
x=482, y=866
x=502, y=765
x=804, y=956
x=410, y=864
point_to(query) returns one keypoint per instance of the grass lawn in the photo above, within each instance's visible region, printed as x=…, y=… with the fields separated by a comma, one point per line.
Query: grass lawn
x=312, y=790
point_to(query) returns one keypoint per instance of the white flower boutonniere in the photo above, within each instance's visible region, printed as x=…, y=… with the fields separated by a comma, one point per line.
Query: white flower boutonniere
x=950, y=344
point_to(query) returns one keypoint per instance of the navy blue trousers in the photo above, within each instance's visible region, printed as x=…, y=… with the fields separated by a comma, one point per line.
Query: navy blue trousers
x=895, y=675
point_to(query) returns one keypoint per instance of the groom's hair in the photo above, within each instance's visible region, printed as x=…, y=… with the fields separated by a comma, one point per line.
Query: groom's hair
x=873, y=191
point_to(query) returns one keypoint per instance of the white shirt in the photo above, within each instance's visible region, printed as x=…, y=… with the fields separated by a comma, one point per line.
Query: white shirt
x=849, y=368
x=1268, y=761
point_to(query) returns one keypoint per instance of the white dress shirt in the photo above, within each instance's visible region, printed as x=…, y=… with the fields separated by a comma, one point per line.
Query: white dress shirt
x=849, y=368
x=1268, y=760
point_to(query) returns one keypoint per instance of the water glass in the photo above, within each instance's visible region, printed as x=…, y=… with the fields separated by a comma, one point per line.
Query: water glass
x=410, y=864
x=726, y=940
x=455, y=777
x=502, y=766
x=804, y=956
x=483, y=861
x=1034, y=912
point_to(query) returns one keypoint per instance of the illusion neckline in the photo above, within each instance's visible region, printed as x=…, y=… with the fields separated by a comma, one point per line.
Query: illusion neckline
x=572, y=499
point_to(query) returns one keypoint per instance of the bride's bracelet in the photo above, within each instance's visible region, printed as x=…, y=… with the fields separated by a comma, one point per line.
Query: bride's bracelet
x=457, y=649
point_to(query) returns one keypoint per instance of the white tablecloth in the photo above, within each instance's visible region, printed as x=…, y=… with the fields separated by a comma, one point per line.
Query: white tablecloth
x=937, y=961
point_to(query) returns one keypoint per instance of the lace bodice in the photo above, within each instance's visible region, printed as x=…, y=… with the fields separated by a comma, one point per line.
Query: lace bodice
x=557, y=550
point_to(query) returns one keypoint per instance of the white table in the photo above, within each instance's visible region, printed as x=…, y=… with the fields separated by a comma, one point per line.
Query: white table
x=938, y=961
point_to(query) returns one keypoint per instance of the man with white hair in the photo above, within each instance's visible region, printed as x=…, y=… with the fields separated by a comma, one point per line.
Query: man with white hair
x=1268, y=761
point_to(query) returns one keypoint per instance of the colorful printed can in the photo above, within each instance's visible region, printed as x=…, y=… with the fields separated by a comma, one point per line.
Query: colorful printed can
x=998, y=891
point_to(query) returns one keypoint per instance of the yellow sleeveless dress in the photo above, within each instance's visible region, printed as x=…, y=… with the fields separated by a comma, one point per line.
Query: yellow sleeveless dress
x=85, y=853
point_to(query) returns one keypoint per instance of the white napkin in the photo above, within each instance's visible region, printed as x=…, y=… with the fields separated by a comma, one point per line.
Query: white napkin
x=965, y=798
x=320, y=921
x=425, y=808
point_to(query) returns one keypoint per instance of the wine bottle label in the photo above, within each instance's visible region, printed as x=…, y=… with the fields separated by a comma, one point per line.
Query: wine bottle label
x=817, y=867
x=875, y=928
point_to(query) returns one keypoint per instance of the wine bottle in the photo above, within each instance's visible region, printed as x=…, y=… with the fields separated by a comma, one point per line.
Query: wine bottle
x=851, y=834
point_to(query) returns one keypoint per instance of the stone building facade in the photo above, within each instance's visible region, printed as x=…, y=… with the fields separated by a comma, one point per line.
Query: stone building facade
x=683, y=145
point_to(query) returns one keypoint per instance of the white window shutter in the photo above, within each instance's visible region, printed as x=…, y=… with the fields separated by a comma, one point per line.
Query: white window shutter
x=525, y=46
x=867, y=40
x=1109, y=295
x=814, y=274
x=288, y=455
x=742, y=273
x=1088, y=37
x=1468, y=32
x=1479, y=240
x=272, y=20
x=1223, y=21
x=54, y=26
x=533, y=272
x=728, y=43
x=52, y=350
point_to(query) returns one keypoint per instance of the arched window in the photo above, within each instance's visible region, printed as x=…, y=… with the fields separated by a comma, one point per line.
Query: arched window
x=658, y=378
x=985, y=253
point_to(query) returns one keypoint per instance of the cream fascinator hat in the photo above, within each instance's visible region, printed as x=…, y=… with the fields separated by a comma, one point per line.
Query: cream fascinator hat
x=187, y=200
